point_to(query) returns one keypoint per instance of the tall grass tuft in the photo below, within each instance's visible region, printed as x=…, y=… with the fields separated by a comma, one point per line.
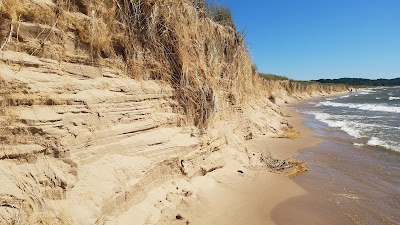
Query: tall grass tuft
x=220, y=14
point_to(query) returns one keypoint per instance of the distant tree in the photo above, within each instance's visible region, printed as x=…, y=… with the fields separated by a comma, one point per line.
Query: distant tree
x=362, y=82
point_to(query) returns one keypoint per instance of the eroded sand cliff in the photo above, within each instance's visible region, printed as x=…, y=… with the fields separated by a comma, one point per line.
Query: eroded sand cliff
x=91, y=130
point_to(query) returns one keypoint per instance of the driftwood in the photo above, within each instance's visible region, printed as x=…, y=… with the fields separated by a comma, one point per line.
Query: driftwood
x=278, y=164
x=275, y=164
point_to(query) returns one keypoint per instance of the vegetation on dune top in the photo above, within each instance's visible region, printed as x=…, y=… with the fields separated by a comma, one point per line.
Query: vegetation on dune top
x=270, y=76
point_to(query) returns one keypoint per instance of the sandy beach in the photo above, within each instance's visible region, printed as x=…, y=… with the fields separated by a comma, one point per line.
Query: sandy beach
x=261, y=197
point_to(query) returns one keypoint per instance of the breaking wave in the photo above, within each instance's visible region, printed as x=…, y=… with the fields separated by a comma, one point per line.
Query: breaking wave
x=366, y=107
x=374, y=141
x=347, y=126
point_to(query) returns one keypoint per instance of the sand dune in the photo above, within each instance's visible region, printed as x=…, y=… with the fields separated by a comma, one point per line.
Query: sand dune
x=101, y=124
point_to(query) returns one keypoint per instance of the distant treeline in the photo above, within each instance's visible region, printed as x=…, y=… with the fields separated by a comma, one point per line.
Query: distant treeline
x=362, y=81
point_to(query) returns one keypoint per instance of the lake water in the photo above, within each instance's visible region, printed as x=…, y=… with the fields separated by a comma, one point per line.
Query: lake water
x=371, y=116
x=357, y=166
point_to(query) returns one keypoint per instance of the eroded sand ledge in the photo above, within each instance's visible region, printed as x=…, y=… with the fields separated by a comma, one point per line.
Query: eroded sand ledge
x=87, y=145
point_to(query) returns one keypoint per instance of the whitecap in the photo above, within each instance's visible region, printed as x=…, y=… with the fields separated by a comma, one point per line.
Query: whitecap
x=366, y=92
x=358, y=144
x=393, y=98
x=365, y=107
x=347, y=126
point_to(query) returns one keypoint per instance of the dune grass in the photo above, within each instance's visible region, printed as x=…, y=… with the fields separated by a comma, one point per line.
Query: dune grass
x=270, y=76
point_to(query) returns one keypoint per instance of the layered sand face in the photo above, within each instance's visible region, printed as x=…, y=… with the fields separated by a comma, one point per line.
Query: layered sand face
x=87, y=145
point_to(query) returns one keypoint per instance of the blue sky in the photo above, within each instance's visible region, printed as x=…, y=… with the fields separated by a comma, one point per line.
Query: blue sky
x=311, y=39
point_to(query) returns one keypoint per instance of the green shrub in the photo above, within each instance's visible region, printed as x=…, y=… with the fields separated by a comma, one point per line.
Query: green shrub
x=220, y=14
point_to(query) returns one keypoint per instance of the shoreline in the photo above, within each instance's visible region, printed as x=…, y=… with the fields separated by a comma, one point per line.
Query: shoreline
x=309, y=208
x=246, y=200
x=231, y=198
x=358, y=181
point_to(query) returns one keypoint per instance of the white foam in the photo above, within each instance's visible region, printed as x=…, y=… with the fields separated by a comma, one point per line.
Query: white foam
x=351, y=131
x=346, y=126
x=345, y=96
x=393, y=98
x=366, y=107
x=377, y=98
x=320, y=115
x=374, y=141
x=354, y=129
x=366, y=92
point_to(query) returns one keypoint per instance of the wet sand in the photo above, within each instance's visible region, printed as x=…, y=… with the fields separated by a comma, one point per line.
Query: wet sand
x=308, y=208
